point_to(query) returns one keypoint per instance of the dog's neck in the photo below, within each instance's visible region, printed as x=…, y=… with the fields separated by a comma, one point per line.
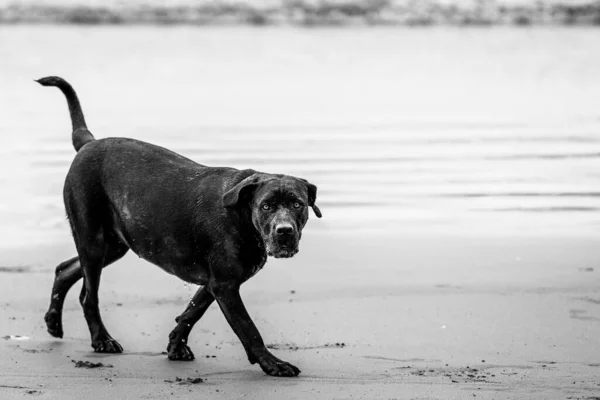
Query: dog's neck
x=251, y=239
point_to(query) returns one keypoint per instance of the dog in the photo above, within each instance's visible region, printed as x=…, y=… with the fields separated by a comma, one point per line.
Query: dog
x=210, y=226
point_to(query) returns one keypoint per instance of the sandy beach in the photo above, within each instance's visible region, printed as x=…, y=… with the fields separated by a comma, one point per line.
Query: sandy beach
x=458, y=256
x=408, y=317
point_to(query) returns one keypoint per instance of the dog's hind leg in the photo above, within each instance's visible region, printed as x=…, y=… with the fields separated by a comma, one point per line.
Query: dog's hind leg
x=92, y=256
x=67, y=274
x=178, y=338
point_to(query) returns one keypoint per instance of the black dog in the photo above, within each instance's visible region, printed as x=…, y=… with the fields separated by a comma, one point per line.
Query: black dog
x=213, y=227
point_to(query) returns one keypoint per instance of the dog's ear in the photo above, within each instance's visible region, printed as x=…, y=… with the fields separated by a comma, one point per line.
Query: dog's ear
x=312, y=197
x=242, y=190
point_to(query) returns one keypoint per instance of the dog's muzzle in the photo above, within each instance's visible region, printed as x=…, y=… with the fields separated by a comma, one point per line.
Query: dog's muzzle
x=283, y=242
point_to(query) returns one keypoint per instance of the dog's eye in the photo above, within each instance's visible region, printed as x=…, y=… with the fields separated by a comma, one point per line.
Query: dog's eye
x=297, y=205
x=266, y=207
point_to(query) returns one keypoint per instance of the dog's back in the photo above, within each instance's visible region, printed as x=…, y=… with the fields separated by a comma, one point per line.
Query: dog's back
x=147, y=192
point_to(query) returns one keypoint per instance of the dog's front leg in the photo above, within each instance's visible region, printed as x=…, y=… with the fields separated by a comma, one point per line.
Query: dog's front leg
x=230, y=302
x=178, y=348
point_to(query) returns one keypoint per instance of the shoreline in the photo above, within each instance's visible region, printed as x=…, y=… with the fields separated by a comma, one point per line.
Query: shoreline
x=306, y=14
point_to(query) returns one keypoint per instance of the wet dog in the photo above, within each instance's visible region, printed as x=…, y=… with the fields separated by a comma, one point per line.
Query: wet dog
x=214, y=227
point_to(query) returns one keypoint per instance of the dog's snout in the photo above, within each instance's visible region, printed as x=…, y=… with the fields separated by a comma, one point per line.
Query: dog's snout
x=284, y=229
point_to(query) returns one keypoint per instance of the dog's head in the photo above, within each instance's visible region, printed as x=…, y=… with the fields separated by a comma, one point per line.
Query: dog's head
x=278, y=207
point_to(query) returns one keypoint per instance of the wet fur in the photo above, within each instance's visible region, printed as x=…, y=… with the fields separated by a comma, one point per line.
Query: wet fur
x=202, y=224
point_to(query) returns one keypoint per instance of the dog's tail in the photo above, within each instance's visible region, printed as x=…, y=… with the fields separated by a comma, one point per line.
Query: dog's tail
x=81, y=135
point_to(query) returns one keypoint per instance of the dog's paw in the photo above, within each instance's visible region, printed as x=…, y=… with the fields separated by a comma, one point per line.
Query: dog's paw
x=54, y=323
x=179, y=352
x=275, y=367
x=107, y=345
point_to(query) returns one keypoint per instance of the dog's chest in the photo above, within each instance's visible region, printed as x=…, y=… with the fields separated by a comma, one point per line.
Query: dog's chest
x=253, y=268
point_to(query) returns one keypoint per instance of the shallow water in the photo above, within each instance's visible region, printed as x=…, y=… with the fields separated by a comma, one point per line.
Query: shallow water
x=477, y=131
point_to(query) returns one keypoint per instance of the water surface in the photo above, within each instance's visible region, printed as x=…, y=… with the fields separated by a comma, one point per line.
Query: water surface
x=470, y=131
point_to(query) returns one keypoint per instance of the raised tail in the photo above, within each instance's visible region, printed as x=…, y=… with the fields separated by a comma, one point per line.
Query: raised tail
x=81, y=135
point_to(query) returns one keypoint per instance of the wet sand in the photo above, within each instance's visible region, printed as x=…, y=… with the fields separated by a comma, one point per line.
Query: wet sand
x=458, y=187
x=406, y=317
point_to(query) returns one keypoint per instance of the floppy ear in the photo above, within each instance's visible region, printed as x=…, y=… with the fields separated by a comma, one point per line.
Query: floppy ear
x=240, y=191
x=312, y=197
